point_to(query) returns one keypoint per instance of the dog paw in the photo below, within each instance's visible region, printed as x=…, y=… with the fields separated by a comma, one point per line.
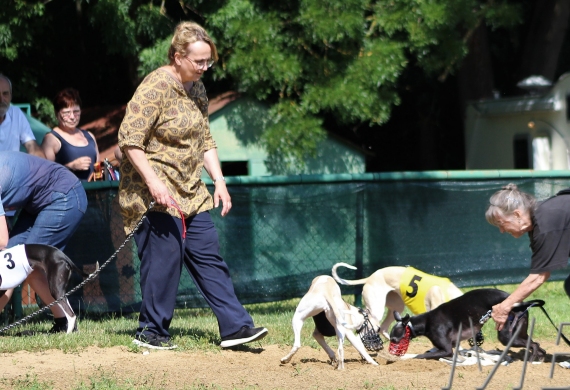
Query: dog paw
x=388, y=357
x=537, y=354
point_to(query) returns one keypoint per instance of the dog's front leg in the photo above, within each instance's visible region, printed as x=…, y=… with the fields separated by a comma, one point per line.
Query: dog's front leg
x=297, y=324
x=437, y=354
x=537, y=354
x=357, y=343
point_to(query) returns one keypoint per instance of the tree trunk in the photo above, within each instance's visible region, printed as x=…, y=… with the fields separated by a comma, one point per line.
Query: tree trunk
x=475, y=77
x=545, y=38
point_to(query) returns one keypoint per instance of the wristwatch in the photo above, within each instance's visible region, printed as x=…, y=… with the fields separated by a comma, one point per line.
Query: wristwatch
x=218, y=178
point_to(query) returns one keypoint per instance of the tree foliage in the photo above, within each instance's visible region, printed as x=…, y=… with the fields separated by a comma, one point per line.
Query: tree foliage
x=19, y=21
x=436, y=33
x=312, y=61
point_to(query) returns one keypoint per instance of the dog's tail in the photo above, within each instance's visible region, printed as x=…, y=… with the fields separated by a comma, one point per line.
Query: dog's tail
x=344, y=281
x=72, y=265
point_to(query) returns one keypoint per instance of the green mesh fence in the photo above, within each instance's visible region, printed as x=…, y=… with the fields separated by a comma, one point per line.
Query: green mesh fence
x=284, y=231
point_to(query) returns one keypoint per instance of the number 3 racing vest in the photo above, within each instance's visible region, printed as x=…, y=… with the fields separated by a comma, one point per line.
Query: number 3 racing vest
x=14, y=267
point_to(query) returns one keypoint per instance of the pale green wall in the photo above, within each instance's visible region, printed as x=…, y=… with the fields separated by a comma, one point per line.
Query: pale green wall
x=237, y=129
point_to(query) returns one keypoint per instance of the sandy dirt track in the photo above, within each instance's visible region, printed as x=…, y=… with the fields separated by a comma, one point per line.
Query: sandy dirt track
x=258, y=367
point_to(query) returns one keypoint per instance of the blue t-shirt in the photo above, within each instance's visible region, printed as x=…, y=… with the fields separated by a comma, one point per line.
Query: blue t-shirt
x=28, y=181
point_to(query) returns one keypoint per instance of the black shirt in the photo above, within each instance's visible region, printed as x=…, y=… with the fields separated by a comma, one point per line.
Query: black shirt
x=550, y=237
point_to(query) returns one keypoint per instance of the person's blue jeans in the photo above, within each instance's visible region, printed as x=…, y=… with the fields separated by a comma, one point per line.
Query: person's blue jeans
x=54, y=224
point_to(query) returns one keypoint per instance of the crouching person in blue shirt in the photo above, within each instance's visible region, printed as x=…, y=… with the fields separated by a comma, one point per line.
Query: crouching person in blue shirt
x=52, y=202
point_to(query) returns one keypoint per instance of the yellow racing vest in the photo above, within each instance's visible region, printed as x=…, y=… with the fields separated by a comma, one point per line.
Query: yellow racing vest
x=414, y=286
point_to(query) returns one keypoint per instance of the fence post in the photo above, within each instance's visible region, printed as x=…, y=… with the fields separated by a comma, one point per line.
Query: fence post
x=359, y=244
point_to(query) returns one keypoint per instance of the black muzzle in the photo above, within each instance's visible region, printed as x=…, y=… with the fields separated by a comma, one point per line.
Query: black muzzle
x=369, y=337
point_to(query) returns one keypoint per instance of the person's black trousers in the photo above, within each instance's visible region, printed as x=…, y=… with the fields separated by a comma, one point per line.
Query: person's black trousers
x=162, y=252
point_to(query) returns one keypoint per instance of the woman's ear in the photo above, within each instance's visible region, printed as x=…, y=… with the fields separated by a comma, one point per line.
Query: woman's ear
x=177, y=59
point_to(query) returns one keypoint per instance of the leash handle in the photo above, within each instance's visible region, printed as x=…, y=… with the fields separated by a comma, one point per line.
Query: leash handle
x=486, y=317
x=175, y=205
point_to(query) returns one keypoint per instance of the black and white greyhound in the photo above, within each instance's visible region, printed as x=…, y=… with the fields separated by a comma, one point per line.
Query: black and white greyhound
x=17, y=263
x=441, y=325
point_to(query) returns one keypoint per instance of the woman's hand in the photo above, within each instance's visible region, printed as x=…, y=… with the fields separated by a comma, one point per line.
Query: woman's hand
x=221, y=193
x=212, y=166
x=528, y=286
x=159, y=192
x=80, y=164
x=500, y=315
x=4, y=236
x=156, y=187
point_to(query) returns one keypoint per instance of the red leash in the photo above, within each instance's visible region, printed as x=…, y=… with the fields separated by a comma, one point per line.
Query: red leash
x=175, y=205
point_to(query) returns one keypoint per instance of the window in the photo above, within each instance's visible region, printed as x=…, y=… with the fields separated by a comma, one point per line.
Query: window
x=235, y=168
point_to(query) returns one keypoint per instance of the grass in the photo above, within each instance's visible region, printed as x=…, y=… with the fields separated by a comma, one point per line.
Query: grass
x=197, y=330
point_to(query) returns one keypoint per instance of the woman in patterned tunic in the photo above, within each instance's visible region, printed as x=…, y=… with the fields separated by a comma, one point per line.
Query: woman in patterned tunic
x=165, y=141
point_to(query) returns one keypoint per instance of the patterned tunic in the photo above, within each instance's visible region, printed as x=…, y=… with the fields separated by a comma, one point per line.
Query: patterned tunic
x=172, y=128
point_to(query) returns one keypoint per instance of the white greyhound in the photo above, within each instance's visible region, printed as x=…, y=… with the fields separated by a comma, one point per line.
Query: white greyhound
x=397, y=287
x=323, y=302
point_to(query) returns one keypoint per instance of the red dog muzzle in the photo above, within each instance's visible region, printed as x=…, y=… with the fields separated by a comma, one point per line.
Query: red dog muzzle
x=400, y=348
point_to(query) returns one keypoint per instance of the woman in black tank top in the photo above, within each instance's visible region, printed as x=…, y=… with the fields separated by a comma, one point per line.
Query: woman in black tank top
x=67, y=144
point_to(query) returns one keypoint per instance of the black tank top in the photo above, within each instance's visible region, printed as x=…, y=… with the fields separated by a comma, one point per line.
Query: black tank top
x=69, y=152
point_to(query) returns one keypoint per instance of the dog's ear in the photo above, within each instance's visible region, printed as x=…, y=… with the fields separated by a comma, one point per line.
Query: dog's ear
x=406, y=319
x=397, y=316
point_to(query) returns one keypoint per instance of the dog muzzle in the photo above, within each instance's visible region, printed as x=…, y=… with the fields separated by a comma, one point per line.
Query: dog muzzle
x=371, y=340
x=369, y=337
x=400, y=348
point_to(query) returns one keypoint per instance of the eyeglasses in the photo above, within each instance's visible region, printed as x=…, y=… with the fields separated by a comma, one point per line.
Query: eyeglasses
x=202, y=63
x=67, y=114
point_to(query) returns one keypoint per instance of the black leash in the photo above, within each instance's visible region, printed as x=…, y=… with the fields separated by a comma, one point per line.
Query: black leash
x=540, y=303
